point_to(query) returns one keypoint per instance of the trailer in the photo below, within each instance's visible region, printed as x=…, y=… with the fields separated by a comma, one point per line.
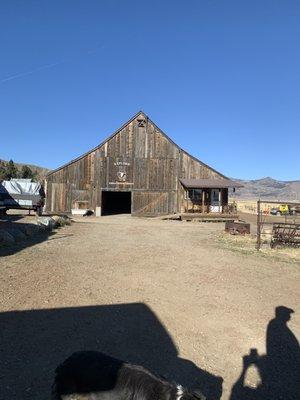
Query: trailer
x=21, y=194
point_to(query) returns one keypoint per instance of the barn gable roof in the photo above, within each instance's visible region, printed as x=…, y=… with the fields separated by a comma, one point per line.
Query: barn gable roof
x=142, y=114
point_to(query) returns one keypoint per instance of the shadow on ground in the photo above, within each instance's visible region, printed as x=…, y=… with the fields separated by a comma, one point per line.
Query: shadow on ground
x=279, y=368
x=25, y=234
x=34, y=342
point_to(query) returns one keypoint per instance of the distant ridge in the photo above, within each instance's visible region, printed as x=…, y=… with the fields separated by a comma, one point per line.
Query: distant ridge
x=269, y=189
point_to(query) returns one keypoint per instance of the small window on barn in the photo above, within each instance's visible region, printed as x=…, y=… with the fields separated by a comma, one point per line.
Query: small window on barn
x=141, y=122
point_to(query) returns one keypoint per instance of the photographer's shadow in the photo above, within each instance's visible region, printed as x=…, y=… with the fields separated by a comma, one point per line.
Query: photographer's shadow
x=279, y=369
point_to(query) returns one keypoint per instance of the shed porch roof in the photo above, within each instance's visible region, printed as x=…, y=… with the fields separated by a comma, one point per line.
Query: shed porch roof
x=210, y=183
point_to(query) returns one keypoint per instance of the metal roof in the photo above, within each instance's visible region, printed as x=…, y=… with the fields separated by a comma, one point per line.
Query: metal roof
x=209, y=183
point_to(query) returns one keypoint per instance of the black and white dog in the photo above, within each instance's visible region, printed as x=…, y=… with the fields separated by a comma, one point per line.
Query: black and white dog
x=90, y=375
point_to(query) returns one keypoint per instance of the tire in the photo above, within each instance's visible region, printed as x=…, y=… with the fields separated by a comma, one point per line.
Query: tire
x=39, y=211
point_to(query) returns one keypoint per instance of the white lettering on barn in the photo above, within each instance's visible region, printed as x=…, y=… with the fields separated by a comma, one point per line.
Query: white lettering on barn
x=122, y=164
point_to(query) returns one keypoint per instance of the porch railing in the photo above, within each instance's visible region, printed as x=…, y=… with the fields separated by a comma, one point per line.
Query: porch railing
x=230, y=208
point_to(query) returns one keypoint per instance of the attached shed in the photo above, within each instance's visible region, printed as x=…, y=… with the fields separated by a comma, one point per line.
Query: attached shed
x=137, y=170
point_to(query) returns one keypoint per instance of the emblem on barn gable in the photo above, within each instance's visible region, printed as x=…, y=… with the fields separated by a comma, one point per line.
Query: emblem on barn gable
x=121, y=175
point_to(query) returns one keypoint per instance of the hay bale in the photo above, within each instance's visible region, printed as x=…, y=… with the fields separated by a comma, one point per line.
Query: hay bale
x=61, y=220
x=46, y=222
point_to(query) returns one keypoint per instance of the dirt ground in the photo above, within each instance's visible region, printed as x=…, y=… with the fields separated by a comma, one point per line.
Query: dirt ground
x=166, y=294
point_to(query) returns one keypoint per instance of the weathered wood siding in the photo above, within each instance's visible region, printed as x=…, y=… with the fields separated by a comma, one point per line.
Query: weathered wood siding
x=153, y=165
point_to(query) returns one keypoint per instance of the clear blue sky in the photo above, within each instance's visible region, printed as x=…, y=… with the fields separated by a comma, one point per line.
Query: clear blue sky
x=220, y=77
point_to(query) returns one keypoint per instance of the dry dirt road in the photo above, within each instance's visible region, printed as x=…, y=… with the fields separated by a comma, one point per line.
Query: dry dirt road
x=162, y=293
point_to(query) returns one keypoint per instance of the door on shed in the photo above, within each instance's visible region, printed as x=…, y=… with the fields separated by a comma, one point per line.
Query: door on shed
x=216, y=201
x=116, y=202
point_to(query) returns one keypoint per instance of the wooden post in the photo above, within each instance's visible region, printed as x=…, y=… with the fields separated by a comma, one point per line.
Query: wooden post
x=187, y=201
x=46, y=194
x=258, y=242
x=193, y=201
x=203, y=200
x=220, y=200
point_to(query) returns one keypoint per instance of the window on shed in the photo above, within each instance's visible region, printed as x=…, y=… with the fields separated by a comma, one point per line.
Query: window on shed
x=194, y=194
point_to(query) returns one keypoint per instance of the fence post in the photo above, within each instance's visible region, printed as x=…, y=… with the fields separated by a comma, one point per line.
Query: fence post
x=258, y=242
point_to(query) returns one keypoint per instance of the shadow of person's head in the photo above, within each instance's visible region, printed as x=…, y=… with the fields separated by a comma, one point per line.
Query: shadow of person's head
x=283, y=314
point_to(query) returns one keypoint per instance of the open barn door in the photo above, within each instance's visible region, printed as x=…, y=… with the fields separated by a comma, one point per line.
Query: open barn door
x=114, y=202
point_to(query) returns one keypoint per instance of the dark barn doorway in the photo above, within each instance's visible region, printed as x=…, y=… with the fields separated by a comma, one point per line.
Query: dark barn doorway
x=116, y=202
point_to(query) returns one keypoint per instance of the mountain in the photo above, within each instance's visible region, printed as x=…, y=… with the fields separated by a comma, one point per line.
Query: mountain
x=269, y=189
x=40, y=171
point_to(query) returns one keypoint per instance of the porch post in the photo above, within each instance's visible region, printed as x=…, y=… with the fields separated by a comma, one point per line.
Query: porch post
x=203, y=201
x=187, y=201
x=220, y=201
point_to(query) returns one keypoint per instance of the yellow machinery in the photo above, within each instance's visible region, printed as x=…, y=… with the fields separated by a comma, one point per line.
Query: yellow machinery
x=284, y=209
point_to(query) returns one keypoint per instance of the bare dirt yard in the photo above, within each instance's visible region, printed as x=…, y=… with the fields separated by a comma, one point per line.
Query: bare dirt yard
x=167, y=294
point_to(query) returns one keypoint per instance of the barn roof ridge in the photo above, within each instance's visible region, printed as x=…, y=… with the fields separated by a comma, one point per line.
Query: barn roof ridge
x=122, y=127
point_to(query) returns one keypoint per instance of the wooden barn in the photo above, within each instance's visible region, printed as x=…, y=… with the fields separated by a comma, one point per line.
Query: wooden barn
x=138, y=170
